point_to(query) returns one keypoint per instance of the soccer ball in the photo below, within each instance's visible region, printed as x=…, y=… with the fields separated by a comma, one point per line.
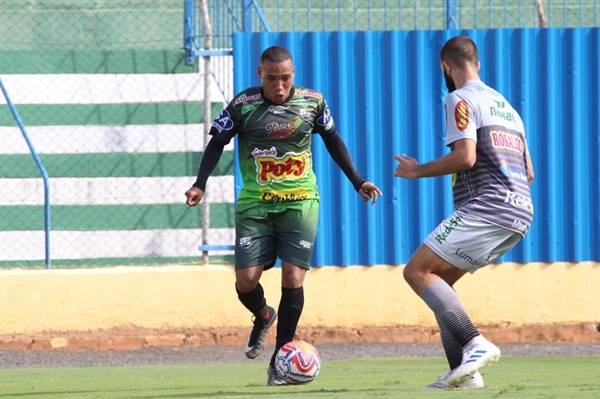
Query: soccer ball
x=297, y=362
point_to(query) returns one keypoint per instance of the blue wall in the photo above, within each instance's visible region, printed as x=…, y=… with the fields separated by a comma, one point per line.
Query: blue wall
x=386, y=93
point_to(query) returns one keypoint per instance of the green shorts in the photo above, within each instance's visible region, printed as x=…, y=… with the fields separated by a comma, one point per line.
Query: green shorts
x=270, y=230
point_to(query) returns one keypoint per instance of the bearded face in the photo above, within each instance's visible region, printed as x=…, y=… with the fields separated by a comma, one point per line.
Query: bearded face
x=449, y=82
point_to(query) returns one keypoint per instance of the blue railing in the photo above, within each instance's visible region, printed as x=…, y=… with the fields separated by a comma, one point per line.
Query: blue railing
x=42, y=169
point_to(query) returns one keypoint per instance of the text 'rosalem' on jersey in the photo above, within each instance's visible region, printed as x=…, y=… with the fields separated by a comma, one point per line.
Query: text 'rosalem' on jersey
x=496, y=188
x=274, y=141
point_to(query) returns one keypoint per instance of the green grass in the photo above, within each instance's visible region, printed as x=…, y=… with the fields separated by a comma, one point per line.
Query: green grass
x=513, y=377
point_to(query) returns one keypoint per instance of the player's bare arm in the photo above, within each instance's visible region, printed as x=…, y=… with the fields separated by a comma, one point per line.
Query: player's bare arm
x=193, y=196
x=369, y=191
x=462, y=157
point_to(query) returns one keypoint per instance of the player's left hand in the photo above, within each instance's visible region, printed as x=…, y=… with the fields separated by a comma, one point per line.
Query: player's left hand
x=368, y=190
x=407, y=167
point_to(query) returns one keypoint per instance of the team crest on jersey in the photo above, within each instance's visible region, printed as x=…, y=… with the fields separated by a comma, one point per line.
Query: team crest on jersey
x=461, y=115
x=223, y=121
x=326, y=119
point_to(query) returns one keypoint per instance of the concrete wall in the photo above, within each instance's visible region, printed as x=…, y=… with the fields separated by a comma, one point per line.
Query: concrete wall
x=175, y=298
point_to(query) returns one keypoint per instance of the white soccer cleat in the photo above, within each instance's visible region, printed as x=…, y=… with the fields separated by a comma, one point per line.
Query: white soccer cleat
x=476, y=356
x=474, y=382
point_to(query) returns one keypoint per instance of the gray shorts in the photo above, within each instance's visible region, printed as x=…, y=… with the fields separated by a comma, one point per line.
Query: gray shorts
x=469, y=243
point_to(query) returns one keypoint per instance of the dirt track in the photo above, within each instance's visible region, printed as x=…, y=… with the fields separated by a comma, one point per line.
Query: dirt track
x=234, y=354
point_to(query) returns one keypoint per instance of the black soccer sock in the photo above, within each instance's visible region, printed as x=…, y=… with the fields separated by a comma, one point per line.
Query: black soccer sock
x=444, y=302
x=290, y=310
x=254, y=301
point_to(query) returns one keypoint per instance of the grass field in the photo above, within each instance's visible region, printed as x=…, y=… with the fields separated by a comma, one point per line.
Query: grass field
x=513, y=377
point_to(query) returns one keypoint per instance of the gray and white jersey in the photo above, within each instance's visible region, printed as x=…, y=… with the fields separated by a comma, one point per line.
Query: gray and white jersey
x=496, y=188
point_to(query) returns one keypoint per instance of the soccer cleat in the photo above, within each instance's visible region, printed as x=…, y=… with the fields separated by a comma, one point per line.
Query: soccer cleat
x=475, y=357
x=258, y=335
x=474, y=382
x=274, y=379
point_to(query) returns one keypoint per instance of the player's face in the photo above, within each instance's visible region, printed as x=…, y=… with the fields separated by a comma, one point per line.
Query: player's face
x=277, y=79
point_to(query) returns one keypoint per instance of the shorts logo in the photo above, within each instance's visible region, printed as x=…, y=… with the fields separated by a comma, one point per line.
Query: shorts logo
x=467, y=258
x=449, y=227
x=246, y=243
x=461, y=115
x=326, y=119
x=223, y=121
x=306, y=244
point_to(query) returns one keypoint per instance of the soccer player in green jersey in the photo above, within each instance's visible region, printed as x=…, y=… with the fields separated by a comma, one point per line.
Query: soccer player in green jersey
x=277, y=208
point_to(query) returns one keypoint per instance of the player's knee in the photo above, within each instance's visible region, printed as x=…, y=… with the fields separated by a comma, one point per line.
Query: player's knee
x=245, y=284
x=410, y=274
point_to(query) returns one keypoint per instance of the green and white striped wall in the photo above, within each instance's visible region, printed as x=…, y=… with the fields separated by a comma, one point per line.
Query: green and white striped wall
x=120, y=131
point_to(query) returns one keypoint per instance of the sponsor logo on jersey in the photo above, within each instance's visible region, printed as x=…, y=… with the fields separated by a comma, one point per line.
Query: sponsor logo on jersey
x=468, y=258
x=448, y=229
x=245, y=243
x=520, y=225
x=516, y=174
x=246, y=98
x=291, y=166
x=277, y=109
x=507, y=116
x=518, y=201
x=281, y=131
x=306, y=93
x=326, y=119
x=271, y=152
x=297, y=194
x=223, y=121
x=247, y=107
x=507, y=141
x=461, y=115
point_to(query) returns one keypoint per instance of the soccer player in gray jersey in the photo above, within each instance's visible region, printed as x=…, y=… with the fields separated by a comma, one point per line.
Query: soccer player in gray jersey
x=492, y=171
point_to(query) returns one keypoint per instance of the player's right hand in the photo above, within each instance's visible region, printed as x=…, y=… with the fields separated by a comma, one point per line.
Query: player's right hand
x=193, y=196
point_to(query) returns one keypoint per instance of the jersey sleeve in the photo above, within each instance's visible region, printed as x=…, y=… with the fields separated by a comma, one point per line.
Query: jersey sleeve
x=324, y=123
x=225, y=126
x=460, y=119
